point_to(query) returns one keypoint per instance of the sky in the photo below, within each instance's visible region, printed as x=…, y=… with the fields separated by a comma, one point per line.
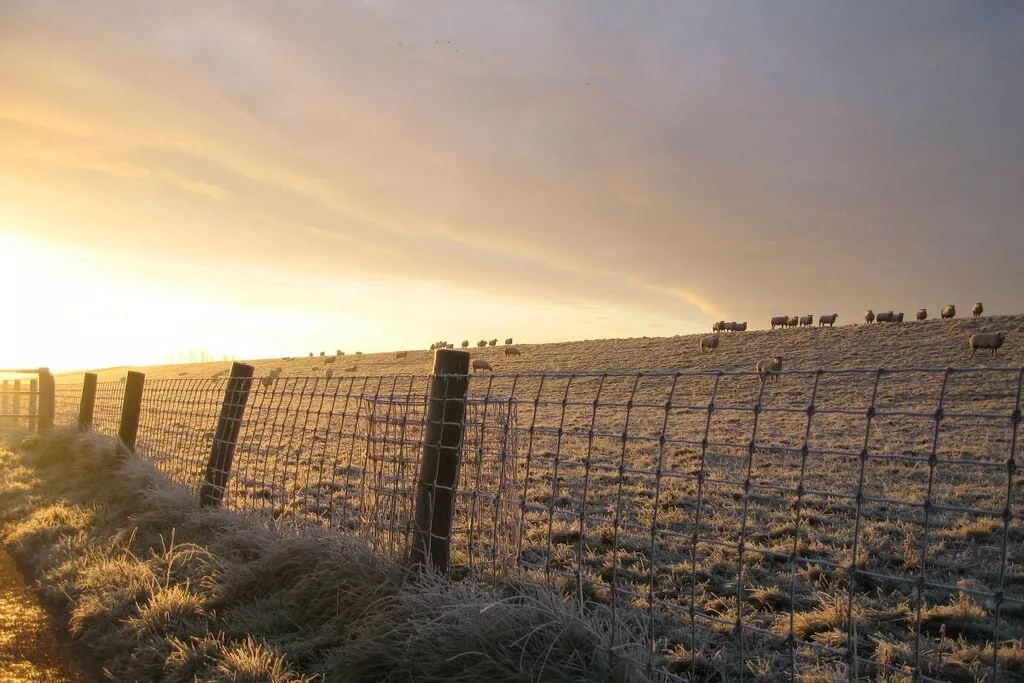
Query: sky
x=262, y=178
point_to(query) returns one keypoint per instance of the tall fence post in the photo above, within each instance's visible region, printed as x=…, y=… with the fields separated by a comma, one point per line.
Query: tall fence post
x=131, y=409
x=88, y=404
x=33, y=403
x=16, y=402
x=439, y=466
x=218, y=469
x=47, y=400
x=5, y=401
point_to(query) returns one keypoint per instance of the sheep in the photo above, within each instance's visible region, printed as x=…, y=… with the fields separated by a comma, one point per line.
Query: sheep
x=339, y=352
x=736, y=327
x=481, y=344
x=869, y=316
x=948, y=311
x=885, y=317
x=780, y=321
x=769, y=368
x=922, y=314
x=449, y=346
x=986, y=340
x=465, y=343
x=328, y=373
x=310, y=354
x=709, y=343
x=806, y=320
x=512, y=351
x=828, y=319
x=794, y=321
x=899, y=317
x=479, y=364
x=977, y=310
x=401, y=354
x=266, y=381
x=493, y=342
x=719, y=326
x=508, y=342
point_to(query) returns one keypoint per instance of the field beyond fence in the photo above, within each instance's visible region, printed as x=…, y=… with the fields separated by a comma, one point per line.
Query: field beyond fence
x=844, y=524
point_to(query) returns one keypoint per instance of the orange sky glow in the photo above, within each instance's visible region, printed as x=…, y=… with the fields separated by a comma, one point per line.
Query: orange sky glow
x=259, y=180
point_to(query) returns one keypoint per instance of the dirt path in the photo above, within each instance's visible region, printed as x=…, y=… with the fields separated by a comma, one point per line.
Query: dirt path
x=29, y=648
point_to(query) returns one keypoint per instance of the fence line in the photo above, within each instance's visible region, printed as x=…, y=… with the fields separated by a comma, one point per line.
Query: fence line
x=863, y=522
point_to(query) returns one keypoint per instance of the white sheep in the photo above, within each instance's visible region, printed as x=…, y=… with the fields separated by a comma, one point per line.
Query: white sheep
x=480, y=364
x=709, y=343
x=986, y=340
x=922, y=314
x=948, y=311
x=780, y=321
x=869, y=316
x=512, y=351
x=769, y=368
x=806, y=320
x=828, y=319
x=977, y=310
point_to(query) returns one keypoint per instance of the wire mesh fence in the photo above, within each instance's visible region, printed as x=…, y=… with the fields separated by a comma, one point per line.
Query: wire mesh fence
x=67, y=399
x=855, y=524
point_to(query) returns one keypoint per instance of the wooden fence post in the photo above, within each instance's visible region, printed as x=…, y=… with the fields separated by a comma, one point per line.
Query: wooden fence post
x=88, y=403
x=5, y=402
x=218, y=469
x=439, y=466
x=33, y=403
x=16, y=403
x=47, y=400
x=131, y=409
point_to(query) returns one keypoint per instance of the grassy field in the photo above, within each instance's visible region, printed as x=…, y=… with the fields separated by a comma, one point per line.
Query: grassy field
x=806, y=542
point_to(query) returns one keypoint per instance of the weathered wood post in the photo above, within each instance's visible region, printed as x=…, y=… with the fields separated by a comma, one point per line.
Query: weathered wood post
x=47, y=400
x=33, y=403
x=87, y=406
x=131, y=409
x=5, y=402
x=439, y=466
x=16, y=403
x=218, y=469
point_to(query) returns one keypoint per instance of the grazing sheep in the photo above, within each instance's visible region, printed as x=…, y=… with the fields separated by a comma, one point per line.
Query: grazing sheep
x=736, y=327
x=512, y=351
x=987, y=340
x=719, y=326
x=709, y=343
x=449, y=346
x=479, y=364
x=806, y=320
x=310, y=354
x=481, y=344
x=266, y=381
x=828, y=319
x=508, y=342
x=922, y=314
x=769, y=368
x=328, y=373
x=339, y=352
x=948, y=312
x=885, y=317
x=401, y=354
x=794, y=321
x=780, y=321
x=869, y=316
x=977, y=310
x=465, y=343
x=493, y=342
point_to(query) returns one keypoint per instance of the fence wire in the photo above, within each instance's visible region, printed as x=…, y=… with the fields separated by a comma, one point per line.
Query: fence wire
x=856, y=524
x=67, y=397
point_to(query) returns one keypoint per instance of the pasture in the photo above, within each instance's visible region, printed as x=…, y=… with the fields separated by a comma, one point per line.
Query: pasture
x=845, y=523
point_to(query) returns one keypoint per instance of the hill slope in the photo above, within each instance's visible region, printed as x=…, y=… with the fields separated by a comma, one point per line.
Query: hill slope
x=934, y=343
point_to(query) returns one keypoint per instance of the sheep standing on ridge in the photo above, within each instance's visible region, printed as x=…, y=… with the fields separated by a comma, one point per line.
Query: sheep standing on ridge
x=480, y=364
x=899, y=317
x=719, y=326
x=986, y=340
x=885, y=317
x=512, y=351
x=508, y=342
x=769, y=368
x=482, y=343
x=869, y=316
x=780, y=321
x=736, y=327
x=977, y=310
x=494, y=342
x=829, y=319
x=709, y=343
x=793, y=322
x=465, y=343
x=948, y=311
x=922, y=314
x=806, y=320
